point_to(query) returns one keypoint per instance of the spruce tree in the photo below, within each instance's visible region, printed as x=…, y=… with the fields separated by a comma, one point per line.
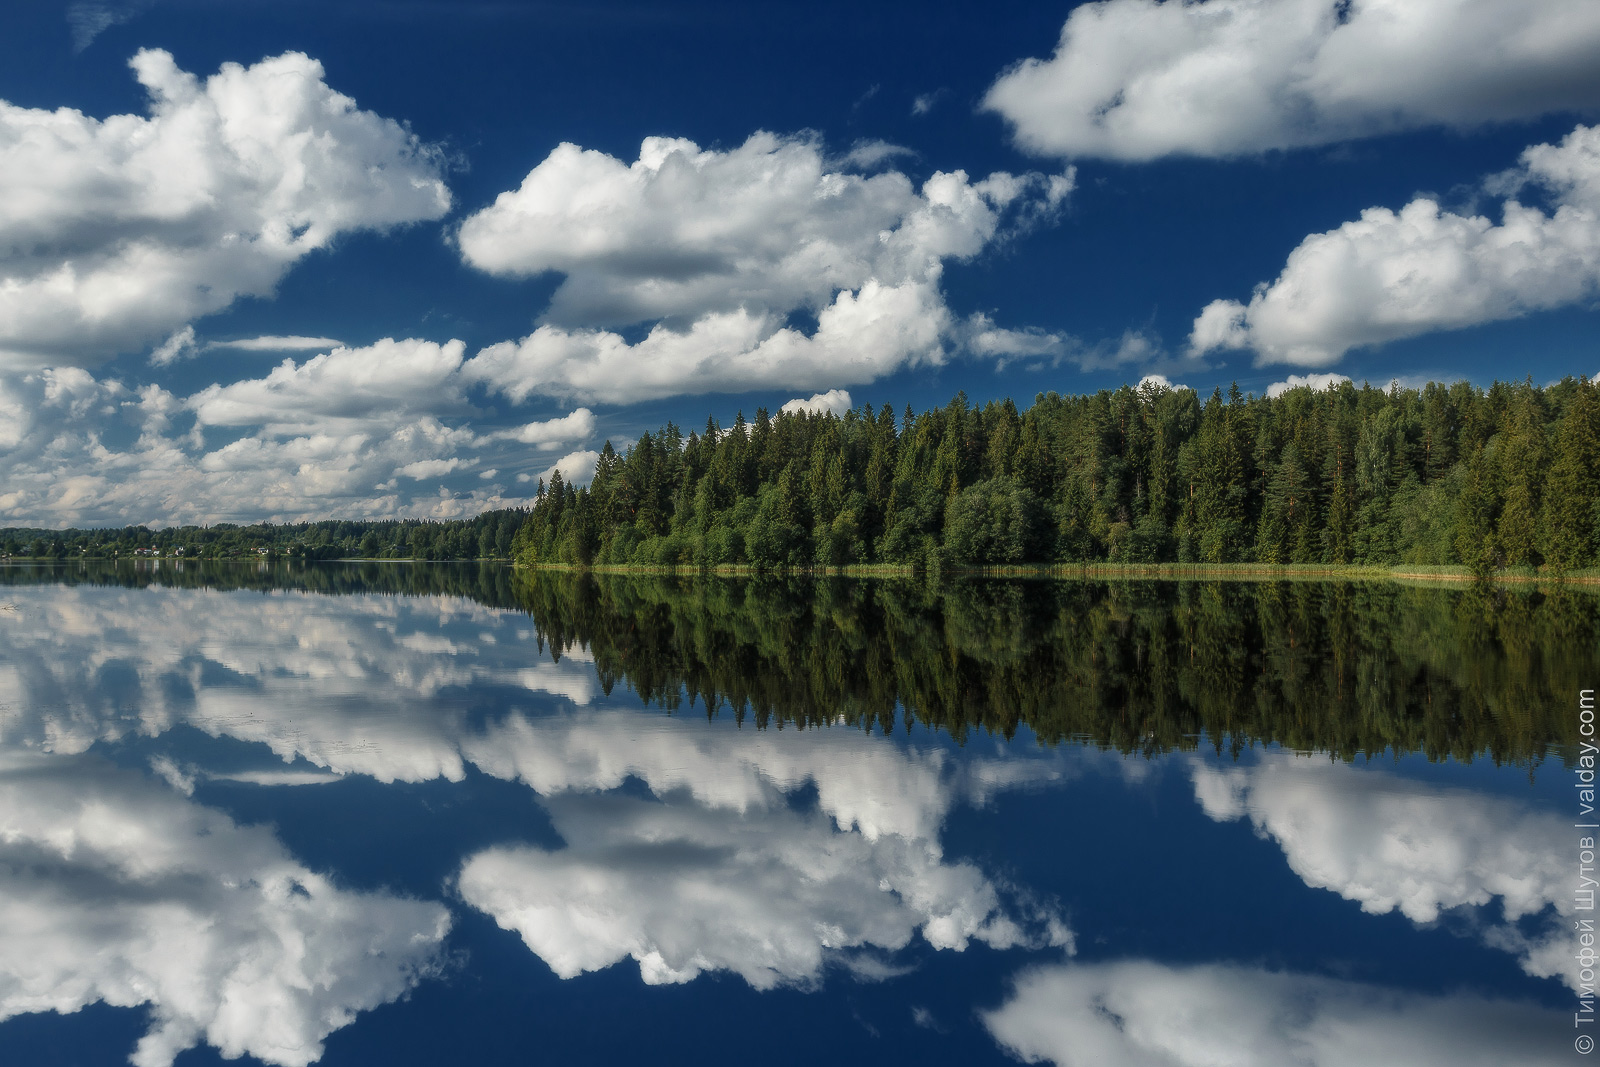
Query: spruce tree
x=1573, y=495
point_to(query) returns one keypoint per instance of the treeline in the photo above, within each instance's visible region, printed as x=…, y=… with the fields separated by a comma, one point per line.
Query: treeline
x=487, y=582
x=1444, y=475
x=1347, y=668
x=488, y=536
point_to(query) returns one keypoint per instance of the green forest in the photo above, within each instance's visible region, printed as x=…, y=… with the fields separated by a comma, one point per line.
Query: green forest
x=1442, y=476
x=488, y=536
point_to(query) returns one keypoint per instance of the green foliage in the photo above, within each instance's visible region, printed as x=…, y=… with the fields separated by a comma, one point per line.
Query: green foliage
x=996, y=522
x=1346, y=476
x=1572, y=496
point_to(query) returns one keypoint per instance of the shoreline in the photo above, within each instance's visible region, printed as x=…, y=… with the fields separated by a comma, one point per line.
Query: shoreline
x=1046, y=571
x=1110, y=571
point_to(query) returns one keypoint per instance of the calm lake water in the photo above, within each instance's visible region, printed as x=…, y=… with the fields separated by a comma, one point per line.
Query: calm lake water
x=425, y=814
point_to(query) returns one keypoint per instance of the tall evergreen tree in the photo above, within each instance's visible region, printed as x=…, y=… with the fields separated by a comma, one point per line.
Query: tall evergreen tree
x=1571, y=513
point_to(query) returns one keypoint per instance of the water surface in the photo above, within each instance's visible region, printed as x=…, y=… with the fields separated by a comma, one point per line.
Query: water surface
x=421, y=814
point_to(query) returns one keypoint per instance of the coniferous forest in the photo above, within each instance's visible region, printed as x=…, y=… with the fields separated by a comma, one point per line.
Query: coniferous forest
x=1444, y=475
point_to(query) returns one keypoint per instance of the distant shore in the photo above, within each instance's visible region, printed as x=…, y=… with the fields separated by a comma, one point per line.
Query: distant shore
x=245, y=559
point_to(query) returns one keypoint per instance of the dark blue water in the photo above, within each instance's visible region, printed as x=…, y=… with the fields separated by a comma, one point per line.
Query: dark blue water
x=370, y=829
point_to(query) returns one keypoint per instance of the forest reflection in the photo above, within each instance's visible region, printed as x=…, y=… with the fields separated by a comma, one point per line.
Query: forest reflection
x=1345, y=667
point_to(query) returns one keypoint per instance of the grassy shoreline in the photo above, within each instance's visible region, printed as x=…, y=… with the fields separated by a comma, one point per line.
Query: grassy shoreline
x=1118, y=571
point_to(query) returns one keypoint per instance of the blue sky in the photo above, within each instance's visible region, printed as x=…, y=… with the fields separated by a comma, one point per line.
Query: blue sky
x=291, y=260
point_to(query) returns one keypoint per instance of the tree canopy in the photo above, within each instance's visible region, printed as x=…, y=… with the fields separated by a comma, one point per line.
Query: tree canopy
x=1443, y=475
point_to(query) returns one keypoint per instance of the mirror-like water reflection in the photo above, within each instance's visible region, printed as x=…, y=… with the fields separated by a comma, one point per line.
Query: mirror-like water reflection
x=1138, y=1012
x=414, y=813
x=115, y=889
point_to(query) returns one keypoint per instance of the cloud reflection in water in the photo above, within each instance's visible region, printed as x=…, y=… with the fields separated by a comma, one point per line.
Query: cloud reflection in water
x=1394, y=844
x=722, y=867
x=113, y=888
x=688, y=847
x=1138, y=1013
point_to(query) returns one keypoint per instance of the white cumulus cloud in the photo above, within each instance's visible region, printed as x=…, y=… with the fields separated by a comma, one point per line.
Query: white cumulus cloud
x=1141, y=79
x=1159, y=383
x=863, y=335
x=834, y=401
x=325, y=437
x=577, y=468
x=337, y=456
x=1396, y=274
x=379, y=381
x=577, y=426
x=117, y=232
x=1318, y=382
x=717, y=250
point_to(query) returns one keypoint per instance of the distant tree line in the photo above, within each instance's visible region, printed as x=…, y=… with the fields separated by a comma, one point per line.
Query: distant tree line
x=1444, y=475
x=488, y=536
x=488, y=582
